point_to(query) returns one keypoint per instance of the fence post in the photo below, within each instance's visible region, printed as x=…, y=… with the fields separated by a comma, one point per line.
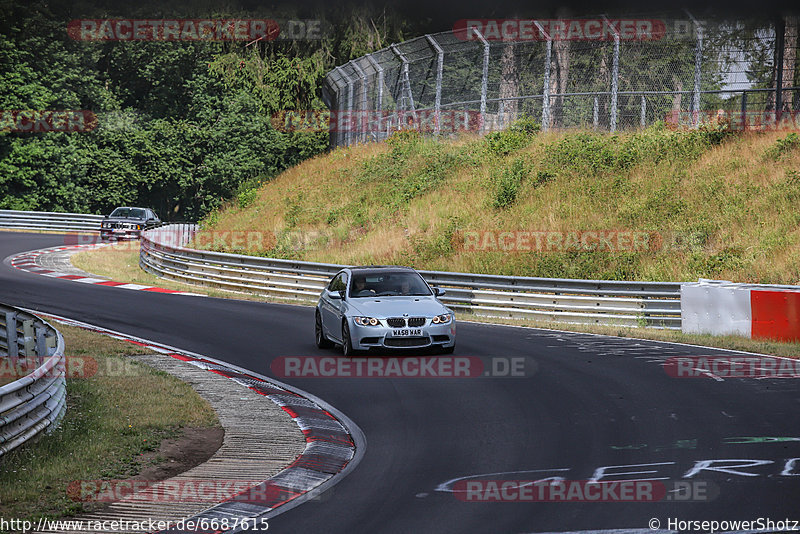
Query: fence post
x=437, y=104
x=614, y=77
x=484, y=77
x=343, y=133
x=378, y=95
x=405, y=84
x=595, y=113
x=744, y=110
x=698, y=60
x=349, y=130
x=546, y=89
x=643, y=113
x=780, y=31
x=365, y=120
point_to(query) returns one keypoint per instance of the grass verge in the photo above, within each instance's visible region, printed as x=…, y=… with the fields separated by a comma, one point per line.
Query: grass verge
x=116, y=418
x=120, y=262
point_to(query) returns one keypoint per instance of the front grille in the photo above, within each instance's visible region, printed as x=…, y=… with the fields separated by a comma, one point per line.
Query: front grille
x=396, y=322
x=406, y=341
x=441, y=338
x=416, y=321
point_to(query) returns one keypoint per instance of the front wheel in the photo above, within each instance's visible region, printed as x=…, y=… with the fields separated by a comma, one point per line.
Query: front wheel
x=319, y=335
x=347, y=343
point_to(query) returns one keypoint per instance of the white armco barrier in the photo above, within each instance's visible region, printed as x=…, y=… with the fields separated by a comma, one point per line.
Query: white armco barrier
x=750, y=310
x=718, y=308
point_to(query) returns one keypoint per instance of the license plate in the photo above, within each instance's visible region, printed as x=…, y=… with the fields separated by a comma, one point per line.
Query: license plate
x=407, y=332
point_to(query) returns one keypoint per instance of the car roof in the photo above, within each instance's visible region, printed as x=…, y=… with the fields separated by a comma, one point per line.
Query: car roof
x=380, y=268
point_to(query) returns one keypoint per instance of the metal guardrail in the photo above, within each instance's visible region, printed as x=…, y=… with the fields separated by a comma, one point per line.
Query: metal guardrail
x=43, y=220
x=608, y=302
x=37, y=401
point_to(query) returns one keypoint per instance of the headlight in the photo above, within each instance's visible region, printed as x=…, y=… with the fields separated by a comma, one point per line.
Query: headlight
x=442, y=319
x=366, y=321
x=138, y=226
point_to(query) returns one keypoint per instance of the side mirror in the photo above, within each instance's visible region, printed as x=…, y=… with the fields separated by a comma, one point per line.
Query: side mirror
x=438, y=291
x=336, y=295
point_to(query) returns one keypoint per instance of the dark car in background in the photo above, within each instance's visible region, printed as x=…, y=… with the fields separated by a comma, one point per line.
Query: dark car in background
x=128, y=223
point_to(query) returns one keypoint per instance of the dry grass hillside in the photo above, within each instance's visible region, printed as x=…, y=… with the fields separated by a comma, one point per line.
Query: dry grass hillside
x=705, y=203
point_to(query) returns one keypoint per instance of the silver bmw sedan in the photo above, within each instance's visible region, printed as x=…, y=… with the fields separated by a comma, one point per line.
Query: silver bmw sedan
x=383, y=306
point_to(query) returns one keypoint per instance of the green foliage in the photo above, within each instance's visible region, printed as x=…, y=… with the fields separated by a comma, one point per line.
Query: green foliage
x=403, y=142
x=715, y=133
x=293, y=209
x=518, y=135
x=246, y=197
x=439, y=243
x=542, y=177
x=182, y=125
x=526, y=125
x=783, y=146
x=510, y=183
x=589, y=152
x=729, y=259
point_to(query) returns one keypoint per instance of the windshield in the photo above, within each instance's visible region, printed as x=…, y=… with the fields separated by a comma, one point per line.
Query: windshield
x=128, y=213
x=398, y=283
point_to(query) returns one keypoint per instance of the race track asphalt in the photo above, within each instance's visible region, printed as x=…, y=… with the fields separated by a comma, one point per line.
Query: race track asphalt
x=589, y=402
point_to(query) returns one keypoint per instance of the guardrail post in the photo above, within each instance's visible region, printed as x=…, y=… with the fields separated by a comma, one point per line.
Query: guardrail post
x=11, y=332
x=41, y=344
x=28, y=340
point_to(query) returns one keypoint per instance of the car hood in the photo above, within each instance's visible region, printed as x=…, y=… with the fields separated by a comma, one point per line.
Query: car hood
x=397, y=306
